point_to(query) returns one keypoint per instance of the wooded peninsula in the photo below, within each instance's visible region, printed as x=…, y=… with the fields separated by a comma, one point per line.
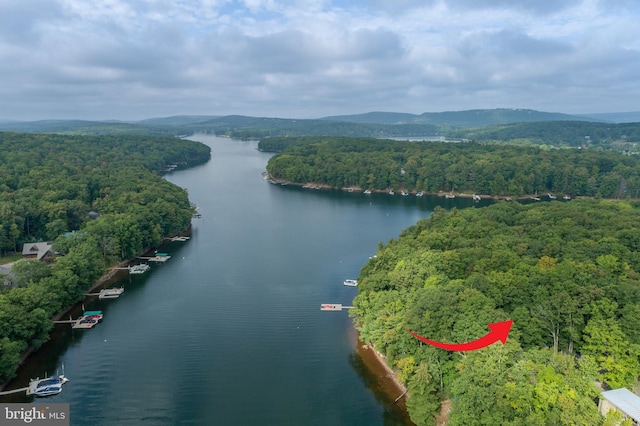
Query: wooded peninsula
x=566, y=273
x=490, y=169
x=105, y=188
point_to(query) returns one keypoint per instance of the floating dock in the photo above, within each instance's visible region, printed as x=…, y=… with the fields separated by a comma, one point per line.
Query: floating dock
x=87, y=320
x=334, y=307
x=156, y=258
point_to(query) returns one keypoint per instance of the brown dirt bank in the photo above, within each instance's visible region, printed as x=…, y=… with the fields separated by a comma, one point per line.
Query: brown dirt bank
x=385, y=381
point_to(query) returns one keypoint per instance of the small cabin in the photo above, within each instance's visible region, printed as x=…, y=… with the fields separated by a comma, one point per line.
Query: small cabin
x=622, y=400
x=41, y=251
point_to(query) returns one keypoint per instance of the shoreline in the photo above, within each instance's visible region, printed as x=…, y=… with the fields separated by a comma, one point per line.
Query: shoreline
x=386, y=379
x=389, y=374
x=103, y=280
x=356, y=188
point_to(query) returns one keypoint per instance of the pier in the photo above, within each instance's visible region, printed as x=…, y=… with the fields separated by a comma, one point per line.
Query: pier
x=334, y=307
x=9, y=392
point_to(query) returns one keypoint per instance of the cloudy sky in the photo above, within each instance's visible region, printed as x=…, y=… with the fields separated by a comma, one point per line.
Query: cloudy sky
x=134, y=59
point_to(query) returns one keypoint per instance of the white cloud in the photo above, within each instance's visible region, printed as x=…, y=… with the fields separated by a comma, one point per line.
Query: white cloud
x=141, y=58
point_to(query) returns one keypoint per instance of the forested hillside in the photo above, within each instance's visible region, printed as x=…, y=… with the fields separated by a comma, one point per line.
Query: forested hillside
x=499, y=170
x=48, y=186
x=568, y=276
x=501, y=125
x=621, y=137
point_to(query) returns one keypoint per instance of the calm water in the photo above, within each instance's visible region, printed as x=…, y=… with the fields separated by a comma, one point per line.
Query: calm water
x=229, y=330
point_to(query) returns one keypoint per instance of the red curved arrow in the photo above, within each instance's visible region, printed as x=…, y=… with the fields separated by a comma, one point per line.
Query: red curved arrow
x=499, y=331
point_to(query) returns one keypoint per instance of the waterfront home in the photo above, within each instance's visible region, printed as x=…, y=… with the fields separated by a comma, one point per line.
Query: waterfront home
x=41, y=251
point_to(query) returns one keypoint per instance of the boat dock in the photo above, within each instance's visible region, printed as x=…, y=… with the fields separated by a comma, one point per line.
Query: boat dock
x=334, y=307
x=182, y=239
x=86, y=320
x=161, y=257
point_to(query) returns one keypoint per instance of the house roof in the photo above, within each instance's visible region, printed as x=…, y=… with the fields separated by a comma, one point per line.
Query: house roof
x=39, y=249
x=625, y=401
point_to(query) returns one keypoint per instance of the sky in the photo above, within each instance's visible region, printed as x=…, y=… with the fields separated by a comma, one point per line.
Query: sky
x=136, y=59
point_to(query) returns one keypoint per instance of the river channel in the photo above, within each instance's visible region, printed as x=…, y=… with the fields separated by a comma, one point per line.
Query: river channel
x=229, y=331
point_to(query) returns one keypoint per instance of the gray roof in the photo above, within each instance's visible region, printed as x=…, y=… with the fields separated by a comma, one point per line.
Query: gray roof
x=625, y=401
x=39, y=249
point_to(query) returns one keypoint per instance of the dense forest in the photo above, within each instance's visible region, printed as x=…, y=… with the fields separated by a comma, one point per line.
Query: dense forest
x=567, y=274
x=499, y=170
x=49, y=185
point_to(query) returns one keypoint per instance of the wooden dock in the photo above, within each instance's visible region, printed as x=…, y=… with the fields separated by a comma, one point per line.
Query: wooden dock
x=69, y=321
x=9, y=392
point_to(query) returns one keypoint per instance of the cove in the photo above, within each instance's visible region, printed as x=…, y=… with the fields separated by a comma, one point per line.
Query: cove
x=229, y=331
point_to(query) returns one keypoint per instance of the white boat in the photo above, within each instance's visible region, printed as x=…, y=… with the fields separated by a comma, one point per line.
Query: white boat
x=450, y=196
x=351, y=283
x=476, y=197
x=46, y=387
x=419, y=194
x=367, y=191
x=404, y=193
x=139, y=269
x=181, y=239
x=110, y=293
x=391, y=192
x=566, y=198
x=551, y=196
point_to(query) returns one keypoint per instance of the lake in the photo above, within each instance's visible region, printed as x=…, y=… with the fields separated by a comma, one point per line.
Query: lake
x=229, y=331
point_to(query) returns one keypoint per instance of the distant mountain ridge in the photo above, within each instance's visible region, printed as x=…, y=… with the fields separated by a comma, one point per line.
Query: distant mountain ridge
x=479, y=124
x=462, y=119
x=175, y=120
x=617, y=117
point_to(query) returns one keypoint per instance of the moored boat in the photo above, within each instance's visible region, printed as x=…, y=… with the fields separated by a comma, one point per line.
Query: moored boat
x=351, y=283
x=139, y=269
x=46, y=387
x=110, y=293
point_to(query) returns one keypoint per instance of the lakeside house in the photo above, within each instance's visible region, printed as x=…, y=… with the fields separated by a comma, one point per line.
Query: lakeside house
x=622, y=400
x=41, y=251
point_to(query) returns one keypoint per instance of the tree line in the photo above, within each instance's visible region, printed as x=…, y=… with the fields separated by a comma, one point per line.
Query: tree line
x=568, y=276
x=499, y=170
x=48, y=186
